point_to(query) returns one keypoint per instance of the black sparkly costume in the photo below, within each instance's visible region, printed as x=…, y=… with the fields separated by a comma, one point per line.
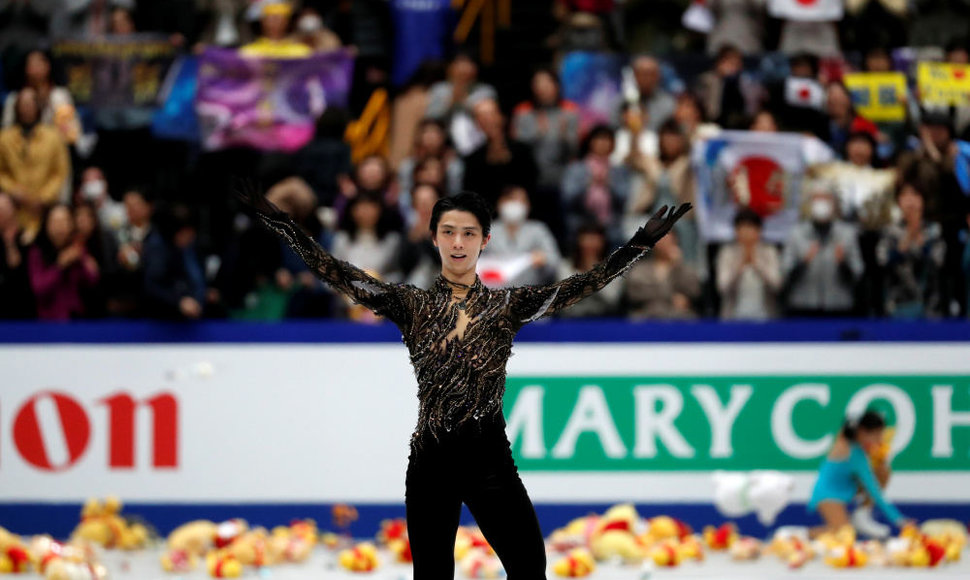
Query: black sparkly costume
x=459, y=449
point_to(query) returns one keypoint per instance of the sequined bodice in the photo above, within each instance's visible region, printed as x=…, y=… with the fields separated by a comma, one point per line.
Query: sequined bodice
x=459, y=364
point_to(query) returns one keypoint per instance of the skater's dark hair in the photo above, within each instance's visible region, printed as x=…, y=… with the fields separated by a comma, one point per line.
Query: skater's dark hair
x=868, y=421
x=464, y=201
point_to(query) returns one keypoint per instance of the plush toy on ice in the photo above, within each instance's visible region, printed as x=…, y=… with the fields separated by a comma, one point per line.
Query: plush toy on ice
x=295, y=542
x=67, y=570
x=578, y=563
x=102, y=523
x=360, y=558
x=765, y=493
x=14, y=557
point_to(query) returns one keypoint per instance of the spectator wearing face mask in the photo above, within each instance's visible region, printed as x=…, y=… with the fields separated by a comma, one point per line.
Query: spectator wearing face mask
x=94, y=190
x=515, y=237
x=821, y=260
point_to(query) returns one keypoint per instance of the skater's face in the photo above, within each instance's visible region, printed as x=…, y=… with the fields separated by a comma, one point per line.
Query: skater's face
x=459, y=240
x=869, y=438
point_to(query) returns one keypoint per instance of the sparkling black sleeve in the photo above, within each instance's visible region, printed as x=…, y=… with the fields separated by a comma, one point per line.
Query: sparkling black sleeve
x=528, y=303
x=389, y=300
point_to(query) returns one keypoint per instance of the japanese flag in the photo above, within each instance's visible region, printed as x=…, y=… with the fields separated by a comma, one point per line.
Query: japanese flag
x=806, y=10
x=804, y=93
x=499, y=271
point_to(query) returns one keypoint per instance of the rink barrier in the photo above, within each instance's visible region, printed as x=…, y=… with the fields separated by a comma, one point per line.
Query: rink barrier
x=848, y=330
x=59, y=519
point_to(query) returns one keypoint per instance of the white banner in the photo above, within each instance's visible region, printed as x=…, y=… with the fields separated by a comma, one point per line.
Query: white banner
x=806, y=10
x=324, y=423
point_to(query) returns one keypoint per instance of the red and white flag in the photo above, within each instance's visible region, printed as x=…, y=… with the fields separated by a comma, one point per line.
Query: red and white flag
x=801, y=92
x=761, y=171
x=500, y=271
x=806, y=10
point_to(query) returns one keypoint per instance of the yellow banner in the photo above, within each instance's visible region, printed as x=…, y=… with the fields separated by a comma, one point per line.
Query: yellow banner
x=943, y=84
x=878, y=96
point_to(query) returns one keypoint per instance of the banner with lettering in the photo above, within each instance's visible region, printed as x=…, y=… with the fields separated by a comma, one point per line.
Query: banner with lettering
x=306, y=422
x=943, y=84
x=266, y=103
x=878, y=96
x=763, y=171
x=118, y=77
x=785, y=422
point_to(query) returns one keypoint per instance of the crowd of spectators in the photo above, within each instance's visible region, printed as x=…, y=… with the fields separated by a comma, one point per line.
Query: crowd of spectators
x=99, y=222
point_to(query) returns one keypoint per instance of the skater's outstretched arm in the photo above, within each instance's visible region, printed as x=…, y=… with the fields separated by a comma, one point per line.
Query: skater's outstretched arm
x=863, y=472
x=389, y=300
x=528, y=303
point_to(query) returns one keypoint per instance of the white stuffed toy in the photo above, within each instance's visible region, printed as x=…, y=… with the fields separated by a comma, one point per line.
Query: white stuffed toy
x=765, y=493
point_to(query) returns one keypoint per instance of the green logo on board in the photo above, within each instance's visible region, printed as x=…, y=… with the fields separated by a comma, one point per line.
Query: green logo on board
x=742, y=423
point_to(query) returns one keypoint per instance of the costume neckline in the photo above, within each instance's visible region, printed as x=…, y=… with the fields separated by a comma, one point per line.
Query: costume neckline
x=443, y=283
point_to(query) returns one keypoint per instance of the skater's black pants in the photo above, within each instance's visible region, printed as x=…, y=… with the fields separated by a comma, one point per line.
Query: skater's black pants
x=477, y=470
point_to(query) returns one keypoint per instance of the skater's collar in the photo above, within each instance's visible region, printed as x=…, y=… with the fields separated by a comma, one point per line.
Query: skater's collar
x=442, y=283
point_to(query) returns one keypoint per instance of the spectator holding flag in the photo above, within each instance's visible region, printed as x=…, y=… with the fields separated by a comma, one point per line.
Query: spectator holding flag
x=275, y=41
x=808, y=27
x=515, y=237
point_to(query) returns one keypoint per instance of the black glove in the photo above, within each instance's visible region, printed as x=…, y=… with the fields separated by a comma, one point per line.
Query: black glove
x=254, y=203
x=658, y=226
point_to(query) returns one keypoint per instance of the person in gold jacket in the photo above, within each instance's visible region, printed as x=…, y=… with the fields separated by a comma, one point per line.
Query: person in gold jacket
x=275, y=41
x=34, y=162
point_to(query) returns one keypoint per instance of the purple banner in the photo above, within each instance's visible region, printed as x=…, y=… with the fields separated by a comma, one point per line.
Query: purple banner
x=267, y=103
x=592, y=80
